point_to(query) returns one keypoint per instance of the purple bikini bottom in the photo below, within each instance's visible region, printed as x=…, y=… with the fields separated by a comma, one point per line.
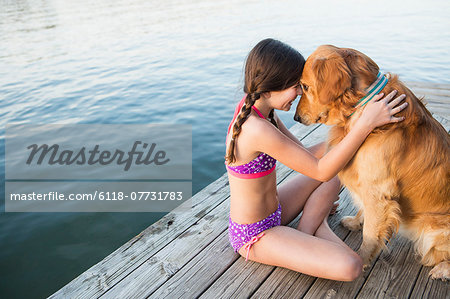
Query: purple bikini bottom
x=240, y=234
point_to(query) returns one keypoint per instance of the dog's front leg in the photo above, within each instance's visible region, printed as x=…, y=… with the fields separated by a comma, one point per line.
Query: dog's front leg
x=381, y=220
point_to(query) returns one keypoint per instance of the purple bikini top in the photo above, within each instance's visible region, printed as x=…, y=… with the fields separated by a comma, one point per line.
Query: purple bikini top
x=258, y=167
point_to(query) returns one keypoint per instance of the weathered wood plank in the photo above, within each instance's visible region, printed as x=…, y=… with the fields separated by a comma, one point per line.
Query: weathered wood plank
x=394, y=273
x=324, y=288
x=283, y=283
x=445, y=122
x=438, y=108
x=398, y=261
x=426, y=287
x=438, y=105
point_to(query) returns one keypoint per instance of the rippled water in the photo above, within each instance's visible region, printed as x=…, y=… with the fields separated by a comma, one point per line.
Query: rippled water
x=168, y=62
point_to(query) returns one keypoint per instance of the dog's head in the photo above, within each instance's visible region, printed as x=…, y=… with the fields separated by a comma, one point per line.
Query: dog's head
x=333, y=80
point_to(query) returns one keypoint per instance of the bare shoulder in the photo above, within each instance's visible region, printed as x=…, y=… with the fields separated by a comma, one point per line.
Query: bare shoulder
x=255, y=131
x=255, y=127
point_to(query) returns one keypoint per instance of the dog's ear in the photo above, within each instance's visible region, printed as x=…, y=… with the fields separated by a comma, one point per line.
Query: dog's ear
x=333, y=77
x=363, y=68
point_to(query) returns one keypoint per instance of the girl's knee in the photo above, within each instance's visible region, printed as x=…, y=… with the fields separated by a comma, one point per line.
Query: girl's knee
x=352, y=267
x=334, y=182
x=333, y=185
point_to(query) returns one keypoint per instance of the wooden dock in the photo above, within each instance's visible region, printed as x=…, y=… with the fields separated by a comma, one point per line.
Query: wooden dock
x=187, y=255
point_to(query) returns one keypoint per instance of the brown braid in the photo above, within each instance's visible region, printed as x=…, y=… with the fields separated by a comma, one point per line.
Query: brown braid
x=241, y=118
x=272, y=119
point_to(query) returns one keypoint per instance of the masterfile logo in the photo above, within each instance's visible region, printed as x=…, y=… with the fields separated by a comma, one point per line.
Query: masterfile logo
x=53, y=155
x=98, y=151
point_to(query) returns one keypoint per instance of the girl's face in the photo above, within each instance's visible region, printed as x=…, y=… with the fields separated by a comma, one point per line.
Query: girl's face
x=282, y=100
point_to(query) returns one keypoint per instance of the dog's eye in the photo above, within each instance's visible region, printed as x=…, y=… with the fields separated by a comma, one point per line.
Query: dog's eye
x=305, y=87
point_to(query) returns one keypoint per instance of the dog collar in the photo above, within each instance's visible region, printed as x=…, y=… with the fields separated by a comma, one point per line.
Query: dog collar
x=373, y=90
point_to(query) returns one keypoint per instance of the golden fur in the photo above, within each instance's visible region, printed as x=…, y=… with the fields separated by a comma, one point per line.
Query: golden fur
x=400, y=176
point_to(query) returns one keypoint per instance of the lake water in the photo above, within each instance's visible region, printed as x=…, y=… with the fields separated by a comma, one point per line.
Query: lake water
x=175, y=62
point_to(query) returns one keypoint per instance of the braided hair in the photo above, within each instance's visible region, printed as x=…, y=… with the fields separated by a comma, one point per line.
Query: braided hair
x=270, y=66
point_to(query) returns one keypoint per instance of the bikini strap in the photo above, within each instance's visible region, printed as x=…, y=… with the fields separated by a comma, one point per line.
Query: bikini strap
x=238, y=109
x=257, y=111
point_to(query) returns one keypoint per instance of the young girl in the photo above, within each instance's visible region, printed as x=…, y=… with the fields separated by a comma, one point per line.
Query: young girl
x=259, y=211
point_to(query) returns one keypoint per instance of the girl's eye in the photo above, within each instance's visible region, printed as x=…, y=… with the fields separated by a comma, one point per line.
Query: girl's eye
x=305, y=87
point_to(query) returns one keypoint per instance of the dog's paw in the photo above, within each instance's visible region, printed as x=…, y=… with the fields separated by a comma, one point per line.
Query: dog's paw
x=441, y=271
x=366, y=261
x=351, y=223
x=366, y=267
x=367, y=254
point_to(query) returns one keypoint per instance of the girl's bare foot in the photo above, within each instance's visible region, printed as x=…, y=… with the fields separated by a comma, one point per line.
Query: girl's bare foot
x=334, y=208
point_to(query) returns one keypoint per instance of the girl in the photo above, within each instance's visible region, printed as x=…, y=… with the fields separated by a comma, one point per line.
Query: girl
x=259, y=212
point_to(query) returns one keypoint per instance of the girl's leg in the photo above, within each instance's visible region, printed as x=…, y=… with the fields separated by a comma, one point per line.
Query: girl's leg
x=318, y=206
x=287, y=247
x=313, y=197
x=324, y=232
x=293, y=195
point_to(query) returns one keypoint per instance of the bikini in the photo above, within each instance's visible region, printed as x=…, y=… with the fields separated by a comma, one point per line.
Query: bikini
x=247, y=234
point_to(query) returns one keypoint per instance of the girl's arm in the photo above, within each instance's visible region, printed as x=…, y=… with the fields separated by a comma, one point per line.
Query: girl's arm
x=285, y=130
x=317, y=150
x=377, y=113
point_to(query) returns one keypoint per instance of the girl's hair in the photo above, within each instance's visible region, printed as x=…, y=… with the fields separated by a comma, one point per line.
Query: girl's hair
x=271, y=66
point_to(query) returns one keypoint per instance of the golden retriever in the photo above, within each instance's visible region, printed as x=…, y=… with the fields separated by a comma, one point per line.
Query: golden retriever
x=400, y=176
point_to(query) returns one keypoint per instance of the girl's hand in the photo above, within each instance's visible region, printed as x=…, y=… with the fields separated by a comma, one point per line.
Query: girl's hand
x=380, y=111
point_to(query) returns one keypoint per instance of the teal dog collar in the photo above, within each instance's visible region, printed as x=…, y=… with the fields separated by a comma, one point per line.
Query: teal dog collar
x=373, y=90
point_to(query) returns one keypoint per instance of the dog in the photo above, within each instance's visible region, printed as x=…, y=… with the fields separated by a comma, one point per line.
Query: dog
x=400, y=176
